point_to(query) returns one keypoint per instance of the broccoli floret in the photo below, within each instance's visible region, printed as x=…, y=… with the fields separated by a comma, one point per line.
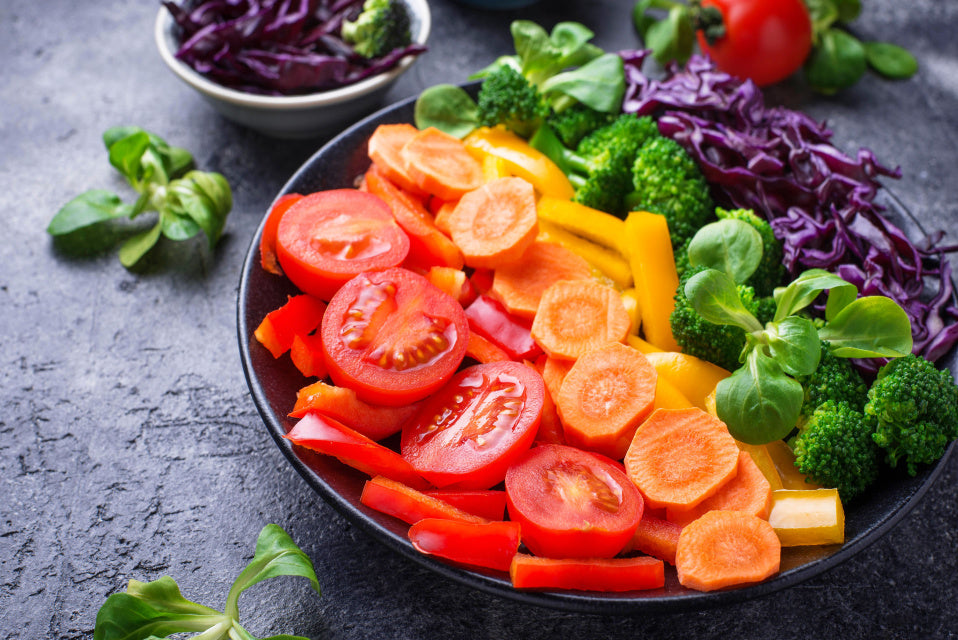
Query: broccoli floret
x=507, y=98
x=573, y=124
x=718, y=344
x=770, y=272
x=666, y=180
x=835, y=379
x=834, y=448
x=600, y=166
x=381, y=26
x=915, y=408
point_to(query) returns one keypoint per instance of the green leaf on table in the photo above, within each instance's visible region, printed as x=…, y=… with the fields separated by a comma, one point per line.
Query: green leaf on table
x=672, y=38
x=795, y=345
x=446, y=107
x=848, y=10
x=205, y=199
x=890, y=60
x=837, y=62
x=758, y=402
x=153, y=610
x=715, y=297
x=276, y=555
x=733, y=247
x=88, y=208
x=869, y=327
x=136, y=247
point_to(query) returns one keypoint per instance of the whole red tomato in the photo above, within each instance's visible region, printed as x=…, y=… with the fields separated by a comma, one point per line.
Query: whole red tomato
x=765, y=40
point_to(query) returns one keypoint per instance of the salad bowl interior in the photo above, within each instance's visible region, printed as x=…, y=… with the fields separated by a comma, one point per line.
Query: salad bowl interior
x=273, y=384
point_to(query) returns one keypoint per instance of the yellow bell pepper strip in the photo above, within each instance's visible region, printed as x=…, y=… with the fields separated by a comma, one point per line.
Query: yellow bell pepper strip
x=609, y=262
x=784, y=460
x=764, y=462
x=807, y=517
x=668, y=396
x=520, y=160
x=654, y=274
x=642, y=345
x=493, y=168
x=598, y=226
x=630, y=300
x=694, y=377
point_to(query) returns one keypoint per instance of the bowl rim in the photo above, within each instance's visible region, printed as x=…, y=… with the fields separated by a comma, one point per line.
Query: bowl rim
x=163, y=35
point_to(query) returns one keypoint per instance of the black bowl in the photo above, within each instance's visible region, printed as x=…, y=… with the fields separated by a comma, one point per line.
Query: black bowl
x=274, y=382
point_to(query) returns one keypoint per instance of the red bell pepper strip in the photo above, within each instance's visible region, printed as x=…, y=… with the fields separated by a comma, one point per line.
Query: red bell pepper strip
x=587, y=574
x=301, y=315
x=485, y=503
x=330, y=437
x=409, y=505
x=307, y=354
x=489, y=544
x=490, y=319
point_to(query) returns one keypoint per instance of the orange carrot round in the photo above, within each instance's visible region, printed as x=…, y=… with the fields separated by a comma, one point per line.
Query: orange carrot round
x=440, y=164
x=748, y=492
x=680, y=457
x=607, y=393
x=496, y=223
x=384, y=147
x=577, y=316
x=519, y=285
x=726, y=548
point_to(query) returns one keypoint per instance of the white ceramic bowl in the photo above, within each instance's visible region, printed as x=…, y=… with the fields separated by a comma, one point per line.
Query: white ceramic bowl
x=315, y=114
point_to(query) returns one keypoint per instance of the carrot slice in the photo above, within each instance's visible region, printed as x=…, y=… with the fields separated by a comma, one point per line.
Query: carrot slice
x=342, y=404
x=496, y=223
x=519, y=284
x=589, y=574
x=441, y=216
x=748, y=492
x=607, y=393
x=267, y=242
x=726, y=548
x=409, y=505
x=440, y=164
x=384, y=147
x=455, y=282
x=657, y=538
x=428, y=246
x=577, y=316
x=680, y=457
x=554, y=371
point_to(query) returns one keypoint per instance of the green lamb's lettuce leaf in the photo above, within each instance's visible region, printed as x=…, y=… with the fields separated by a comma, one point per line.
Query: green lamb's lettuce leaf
x=157, y=609
x=186, y=202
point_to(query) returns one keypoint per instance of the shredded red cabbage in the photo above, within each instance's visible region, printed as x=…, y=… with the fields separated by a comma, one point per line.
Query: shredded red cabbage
x=275, y=47
x=820, y=201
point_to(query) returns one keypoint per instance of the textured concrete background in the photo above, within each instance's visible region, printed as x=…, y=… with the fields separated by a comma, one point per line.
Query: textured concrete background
x=130, y=448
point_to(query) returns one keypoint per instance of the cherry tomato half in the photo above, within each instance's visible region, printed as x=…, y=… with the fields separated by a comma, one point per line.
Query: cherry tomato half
x=392, y=337
x=572, y=503
x=765, y=40
x=470, y=431
x=326, y=238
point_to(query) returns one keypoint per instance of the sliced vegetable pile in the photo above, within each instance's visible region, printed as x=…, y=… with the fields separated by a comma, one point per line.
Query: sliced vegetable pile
x=578, y=396
x=288, y=48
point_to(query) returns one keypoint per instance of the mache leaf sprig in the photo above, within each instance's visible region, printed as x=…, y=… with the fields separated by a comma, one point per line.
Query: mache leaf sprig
x=761, y=401
x=186, y=201
x=156, y=609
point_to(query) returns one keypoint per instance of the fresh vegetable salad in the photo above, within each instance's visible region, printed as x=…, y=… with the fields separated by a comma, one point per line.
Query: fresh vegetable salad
x=560, y=344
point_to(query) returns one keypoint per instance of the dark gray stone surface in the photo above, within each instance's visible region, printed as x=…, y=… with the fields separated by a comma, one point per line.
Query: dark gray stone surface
x=130, y=448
